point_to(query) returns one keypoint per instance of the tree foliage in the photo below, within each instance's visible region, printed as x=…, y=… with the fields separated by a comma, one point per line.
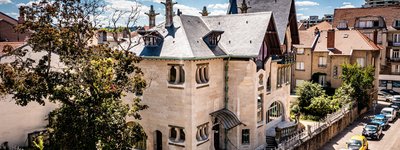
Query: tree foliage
x=361, y=80
x=306, y=92
x=320, y=106
x=87, y=81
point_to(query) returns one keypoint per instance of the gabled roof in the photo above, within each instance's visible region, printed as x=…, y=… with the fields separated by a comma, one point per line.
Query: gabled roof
x=346, y=41
x=7, y=18
x=389, y=13
x=243, y=37
x=280, y=8
x=323, y=26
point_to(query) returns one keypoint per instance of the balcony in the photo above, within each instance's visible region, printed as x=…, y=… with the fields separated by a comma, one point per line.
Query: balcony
x=394, y=59
x=287, y=58
x=322, y=65
x=394, y=44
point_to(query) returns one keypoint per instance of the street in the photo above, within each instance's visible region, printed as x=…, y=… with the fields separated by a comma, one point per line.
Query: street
x=389, y=141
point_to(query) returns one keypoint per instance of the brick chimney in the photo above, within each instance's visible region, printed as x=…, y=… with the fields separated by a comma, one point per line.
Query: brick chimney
x=331, y=39
x=375, y=37
x=152, y=17
x=169, y=12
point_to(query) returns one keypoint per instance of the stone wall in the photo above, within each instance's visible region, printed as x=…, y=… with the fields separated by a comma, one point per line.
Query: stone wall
x=318, y=139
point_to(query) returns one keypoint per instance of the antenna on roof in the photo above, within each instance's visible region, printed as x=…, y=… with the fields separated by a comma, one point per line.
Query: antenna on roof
x=204, y=12
x=244, y=7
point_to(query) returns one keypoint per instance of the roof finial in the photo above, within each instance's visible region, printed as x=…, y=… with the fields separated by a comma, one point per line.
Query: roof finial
x=179, y=12
x=244, y=7
x=205, y=11
x=152, y=16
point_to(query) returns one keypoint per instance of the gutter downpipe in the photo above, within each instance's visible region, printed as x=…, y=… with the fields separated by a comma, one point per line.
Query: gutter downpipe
x=226, y=97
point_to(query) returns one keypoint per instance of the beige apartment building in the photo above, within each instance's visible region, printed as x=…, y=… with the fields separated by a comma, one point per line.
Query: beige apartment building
x=322, y=51
x=384, y=20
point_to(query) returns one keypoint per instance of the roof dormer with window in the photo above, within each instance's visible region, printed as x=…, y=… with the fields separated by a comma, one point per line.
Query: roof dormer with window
x=369, y=22
x=343, y=25
x=212, y=38
x=396, y=24
x=151, y=38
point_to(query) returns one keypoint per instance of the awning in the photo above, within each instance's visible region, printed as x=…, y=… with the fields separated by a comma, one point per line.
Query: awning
x=227, y=118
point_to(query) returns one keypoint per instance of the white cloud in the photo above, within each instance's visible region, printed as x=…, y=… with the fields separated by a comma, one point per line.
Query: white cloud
x=346, y=3
x=302, y=17
x=348, y=6
x=219, y=6
x=303, y=9
x=5, y=1
x=187, y=10
x=217, y=12
x=306, y=3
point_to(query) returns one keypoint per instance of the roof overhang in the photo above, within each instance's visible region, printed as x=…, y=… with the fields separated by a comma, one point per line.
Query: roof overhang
x=227, y=118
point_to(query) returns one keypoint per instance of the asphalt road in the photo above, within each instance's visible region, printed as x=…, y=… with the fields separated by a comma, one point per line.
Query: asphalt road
x=389, y=141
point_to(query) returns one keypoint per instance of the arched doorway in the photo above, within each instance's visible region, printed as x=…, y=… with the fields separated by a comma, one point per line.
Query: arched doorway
x=158, y=142
x=275, y=111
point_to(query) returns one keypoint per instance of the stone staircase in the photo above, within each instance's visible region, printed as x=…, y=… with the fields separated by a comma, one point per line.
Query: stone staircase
x=271, y=143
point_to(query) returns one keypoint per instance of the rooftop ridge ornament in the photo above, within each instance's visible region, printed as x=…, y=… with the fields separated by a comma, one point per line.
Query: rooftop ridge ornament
x=244, y=7
x=169, y=12
x=204, y=12
x=152, y=16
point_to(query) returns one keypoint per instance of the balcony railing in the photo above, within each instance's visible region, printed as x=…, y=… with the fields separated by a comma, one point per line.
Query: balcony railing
x=322, y=65
x=287, y=58
x=394, y=59
x=394, y=43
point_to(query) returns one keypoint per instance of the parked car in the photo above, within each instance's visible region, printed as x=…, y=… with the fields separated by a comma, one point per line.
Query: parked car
x=397, y=108
x=390, y=113
x=395, y=98
x=391, y=92
x=385, y=96
x=381, y=120
x=357, y=142
x=372, y=131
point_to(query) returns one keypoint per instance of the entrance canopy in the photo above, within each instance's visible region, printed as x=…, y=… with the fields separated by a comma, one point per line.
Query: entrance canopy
x=227, y=118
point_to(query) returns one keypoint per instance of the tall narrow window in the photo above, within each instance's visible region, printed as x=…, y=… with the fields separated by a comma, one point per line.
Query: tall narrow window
x=361, y=62
x=396, y=69
x=202, y=73
x=322, y=61
x=176, y=74
x=268, y=84
x=335, y=71
x=396, y=39
x=395, y=55
x=299, y=65
x=245, y=136
x=322, y=80
x=260, y=108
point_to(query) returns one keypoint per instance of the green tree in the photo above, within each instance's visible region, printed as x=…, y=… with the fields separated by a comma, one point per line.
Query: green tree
x=361, y=80
x=306, y=92
x=320, y=106
x=343, y=96
x=87, y=81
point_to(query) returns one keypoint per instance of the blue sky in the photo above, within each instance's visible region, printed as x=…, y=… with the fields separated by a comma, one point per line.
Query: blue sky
x=304, y=8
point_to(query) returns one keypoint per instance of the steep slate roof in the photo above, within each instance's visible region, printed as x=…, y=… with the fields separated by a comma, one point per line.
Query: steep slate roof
x=243, y=37
x=389, y=13
x=346, y=41
x=280, y=8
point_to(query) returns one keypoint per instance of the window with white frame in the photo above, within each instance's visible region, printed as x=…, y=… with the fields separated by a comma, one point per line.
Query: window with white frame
x=300, y=51
x=322, y=61
x=322, y=80
x=361, y=62
x=396, y=68
x=342, y=24
x=299, y=65
x=395, y=54
x=396, y=38
x=176, y=74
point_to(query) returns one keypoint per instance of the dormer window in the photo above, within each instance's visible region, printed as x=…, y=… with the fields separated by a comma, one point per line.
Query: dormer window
x=396, y=24
x=151, y=38
x=343, y=25
x=212, y=38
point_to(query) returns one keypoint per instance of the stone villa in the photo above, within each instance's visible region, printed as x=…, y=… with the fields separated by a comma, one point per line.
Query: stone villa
x=217, y=82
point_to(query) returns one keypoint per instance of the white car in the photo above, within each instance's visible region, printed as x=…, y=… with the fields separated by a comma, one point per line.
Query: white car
x=390, y=113
x=396, y=98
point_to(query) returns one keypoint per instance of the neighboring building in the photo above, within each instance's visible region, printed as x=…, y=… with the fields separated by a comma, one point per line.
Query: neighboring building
x=314, y=20
x=321, y=53
x=380, y=3
x=217, y=82
x=7, y=32
x=386, y=22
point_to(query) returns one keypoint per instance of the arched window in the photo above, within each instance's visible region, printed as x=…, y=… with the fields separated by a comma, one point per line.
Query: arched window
x=202, y=74
x=176, y=74
x=260, y=108
x=275, y=111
